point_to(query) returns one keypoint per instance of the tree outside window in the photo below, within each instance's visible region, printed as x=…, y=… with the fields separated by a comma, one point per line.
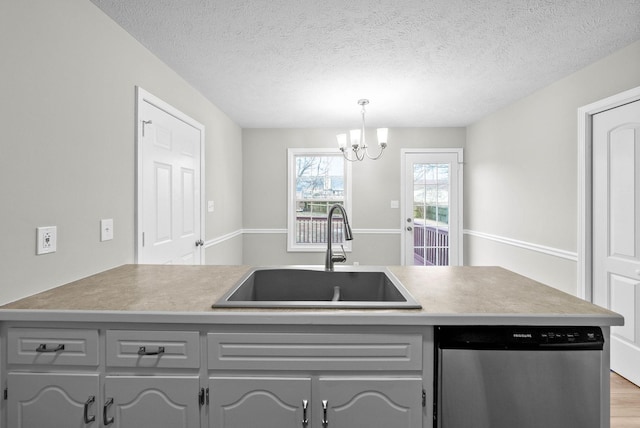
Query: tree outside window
x=317, y=180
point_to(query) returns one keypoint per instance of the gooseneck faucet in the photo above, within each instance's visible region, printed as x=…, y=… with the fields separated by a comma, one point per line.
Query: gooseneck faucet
x=340, y=258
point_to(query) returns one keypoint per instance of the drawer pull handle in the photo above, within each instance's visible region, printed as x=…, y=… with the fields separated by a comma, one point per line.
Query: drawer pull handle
x=325, y=421
x=143, y=351
x=88, y=419
x=105, y=410
x=305, y=420
x=43, y=348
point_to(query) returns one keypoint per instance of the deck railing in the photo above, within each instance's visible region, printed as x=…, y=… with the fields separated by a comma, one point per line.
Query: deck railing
x=430, y=245
x=313, y=230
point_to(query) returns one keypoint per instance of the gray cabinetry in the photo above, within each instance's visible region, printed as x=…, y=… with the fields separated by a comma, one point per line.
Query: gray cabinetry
x=52, y=379
x=259, y=401
x=338, y=380
x=369, y=402
x=197, y=376
x=151, y=401
x=146, y=385
x=52, y=399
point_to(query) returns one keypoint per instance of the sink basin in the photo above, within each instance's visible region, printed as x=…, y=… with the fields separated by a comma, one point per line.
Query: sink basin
x=287, y=287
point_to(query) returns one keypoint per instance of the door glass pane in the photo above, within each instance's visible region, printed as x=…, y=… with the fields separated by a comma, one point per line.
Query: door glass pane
x=431, y=214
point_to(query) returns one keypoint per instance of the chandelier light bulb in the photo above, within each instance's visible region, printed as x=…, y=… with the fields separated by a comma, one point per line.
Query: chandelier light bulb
x=356, y=136
x=382, y=136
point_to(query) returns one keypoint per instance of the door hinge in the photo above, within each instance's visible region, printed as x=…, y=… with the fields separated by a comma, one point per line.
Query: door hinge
x=143, y=239
x=207, y=396
x=144, y=123
x=424, y=398
x=6, y=393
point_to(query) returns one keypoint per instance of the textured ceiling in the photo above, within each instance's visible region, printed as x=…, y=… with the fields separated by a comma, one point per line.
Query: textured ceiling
x=305, y=63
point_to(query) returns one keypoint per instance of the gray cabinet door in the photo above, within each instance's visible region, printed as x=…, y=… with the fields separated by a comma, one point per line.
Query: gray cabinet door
x=368, y=402
x=259, y=402
x=52, y=399
x=152, y=401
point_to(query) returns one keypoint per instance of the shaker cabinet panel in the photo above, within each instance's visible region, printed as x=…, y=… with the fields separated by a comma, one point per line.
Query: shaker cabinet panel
x=259, y=402
x=159, y=349
x=52, y=346
x=52, y=400
x=314, y=351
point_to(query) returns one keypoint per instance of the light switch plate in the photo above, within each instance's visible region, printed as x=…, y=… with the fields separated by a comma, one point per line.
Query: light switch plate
x=395, y=204
x=210, y=206
x=46, y=239
x=106, y=229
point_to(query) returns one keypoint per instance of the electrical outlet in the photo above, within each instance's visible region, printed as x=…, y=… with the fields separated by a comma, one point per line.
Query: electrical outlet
x=106, y=229
x=46, y=240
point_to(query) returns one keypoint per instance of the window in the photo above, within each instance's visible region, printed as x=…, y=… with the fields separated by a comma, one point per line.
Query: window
x=318, y=178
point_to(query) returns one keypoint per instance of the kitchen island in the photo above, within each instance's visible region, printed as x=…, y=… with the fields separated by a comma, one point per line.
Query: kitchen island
x=121, y=343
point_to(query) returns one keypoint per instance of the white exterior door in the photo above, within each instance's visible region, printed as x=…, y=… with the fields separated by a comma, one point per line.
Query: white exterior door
x=169, y=187
x=432, y=208
x=616, y=229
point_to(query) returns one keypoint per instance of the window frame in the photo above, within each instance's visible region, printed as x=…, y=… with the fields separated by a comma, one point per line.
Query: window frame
x=292, y=154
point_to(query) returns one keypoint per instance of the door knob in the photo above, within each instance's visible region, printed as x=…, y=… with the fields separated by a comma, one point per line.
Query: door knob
x=409, y=228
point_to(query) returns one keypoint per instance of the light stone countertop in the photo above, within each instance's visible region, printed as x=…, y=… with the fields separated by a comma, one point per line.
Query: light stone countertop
x=170, y=293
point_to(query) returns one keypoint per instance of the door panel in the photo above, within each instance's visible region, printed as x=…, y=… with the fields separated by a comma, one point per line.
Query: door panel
x=616, y=222
x=51, y=399
x=153, y=401
x=259, y=402
x=169, y=193
x=369, y=402
x=432, y=213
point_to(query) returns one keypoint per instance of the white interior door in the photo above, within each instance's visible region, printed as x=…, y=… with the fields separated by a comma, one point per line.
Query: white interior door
x=432, y=207
x=616, y=229
x=169, y=220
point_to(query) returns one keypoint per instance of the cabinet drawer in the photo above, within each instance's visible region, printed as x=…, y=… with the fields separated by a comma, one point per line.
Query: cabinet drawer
x=296, y=351
x=163, y=349
x=52, y=346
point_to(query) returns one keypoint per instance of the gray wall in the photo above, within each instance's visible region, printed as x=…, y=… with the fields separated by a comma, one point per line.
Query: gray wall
x=67, y=151
x=375, y=185
x=521, y=173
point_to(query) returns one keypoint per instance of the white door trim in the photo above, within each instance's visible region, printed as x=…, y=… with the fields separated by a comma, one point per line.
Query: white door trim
x=403, y=156
x=585, y=177
x=144, y=96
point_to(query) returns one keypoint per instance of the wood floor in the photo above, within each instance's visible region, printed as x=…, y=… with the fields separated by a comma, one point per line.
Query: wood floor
x=625, y=403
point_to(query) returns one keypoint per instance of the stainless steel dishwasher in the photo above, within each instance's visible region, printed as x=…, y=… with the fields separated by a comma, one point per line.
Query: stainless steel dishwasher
x=525, y=377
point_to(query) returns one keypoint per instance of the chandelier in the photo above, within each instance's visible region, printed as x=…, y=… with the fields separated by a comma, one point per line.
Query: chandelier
x=358, y=141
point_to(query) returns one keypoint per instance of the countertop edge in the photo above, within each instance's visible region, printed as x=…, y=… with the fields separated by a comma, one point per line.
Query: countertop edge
x=306, y=318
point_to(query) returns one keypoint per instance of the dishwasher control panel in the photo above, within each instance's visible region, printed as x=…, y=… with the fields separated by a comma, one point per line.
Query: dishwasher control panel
x=520, y=337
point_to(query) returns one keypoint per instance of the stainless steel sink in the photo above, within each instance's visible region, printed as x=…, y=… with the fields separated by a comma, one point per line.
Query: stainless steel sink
x=307, y=287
